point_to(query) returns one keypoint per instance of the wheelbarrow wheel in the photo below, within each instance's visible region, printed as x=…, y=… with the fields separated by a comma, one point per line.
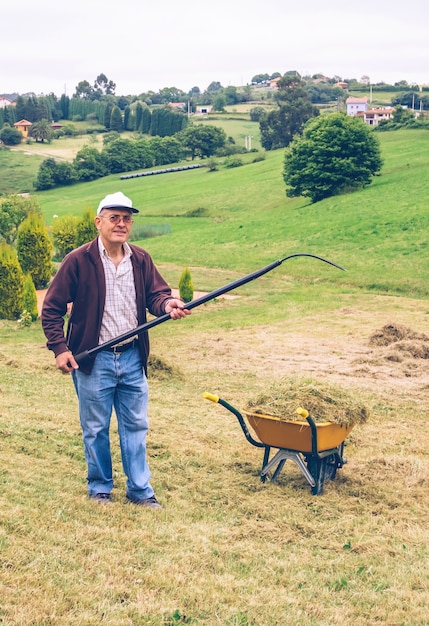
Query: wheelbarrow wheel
x=321, y=470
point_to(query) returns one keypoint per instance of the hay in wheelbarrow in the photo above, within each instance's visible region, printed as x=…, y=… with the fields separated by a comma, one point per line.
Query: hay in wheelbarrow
x=324, y=402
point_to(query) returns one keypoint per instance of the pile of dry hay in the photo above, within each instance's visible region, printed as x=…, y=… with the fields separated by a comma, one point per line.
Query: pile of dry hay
x=325, y=403
x=401, y=339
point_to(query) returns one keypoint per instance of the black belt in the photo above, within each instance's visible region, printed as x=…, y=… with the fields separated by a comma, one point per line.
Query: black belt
x=124, y=347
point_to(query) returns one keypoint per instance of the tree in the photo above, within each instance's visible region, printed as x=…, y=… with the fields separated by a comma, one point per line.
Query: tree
x=64, y=106
x=214, y=87
x=45, y=175
x=257, y=113
x=10, y=136
x=41, y=131
x=219, y=102
x=11, y=284
x=202, y=141
x=116, y=120
x=336, y=153
x=52, y=173
x=34, y=249
x=167, y=150
x=259, y=79
x=279, y=127
x=121, y=156
x=84, y=90
x=13, y=211
x=89, y=164
x=103, y=85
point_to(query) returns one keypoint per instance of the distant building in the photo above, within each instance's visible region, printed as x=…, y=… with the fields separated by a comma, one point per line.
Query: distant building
x=5, y=102
x=203, y=109
x=178, y=105
x=373, y=117
x=341, y=84
x=356, y=105
x=24, y=126
x=273, y=84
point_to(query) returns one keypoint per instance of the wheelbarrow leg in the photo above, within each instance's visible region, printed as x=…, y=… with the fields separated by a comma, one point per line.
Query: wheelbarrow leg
x=264, y=462
x=281, y=457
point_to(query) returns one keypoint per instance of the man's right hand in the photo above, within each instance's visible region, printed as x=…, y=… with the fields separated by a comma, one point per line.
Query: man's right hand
x=66, y=363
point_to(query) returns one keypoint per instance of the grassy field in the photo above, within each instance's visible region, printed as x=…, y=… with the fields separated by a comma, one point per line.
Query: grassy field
x=17, y=171
x=227, y=549
x=378, y=234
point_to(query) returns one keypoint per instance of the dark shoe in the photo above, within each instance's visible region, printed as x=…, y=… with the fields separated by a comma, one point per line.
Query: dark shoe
x=100, y=497
x=150, y=503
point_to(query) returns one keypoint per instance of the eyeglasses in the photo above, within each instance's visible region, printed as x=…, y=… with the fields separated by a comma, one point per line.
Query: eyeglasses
x=115, y=219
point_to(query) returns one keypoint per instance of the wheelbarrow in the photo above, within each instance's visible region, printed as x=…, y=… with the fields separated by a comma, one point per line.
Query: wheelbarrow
x=315, y=447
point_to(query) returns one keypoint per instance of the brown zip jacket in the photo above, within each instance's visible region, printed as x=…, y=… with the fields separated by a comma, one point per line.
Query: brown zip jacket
x=80, y=282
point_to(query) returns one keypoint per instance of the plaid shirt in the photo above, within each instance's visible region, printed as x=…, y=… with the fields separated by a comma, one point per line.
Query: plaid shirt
x=120, y=308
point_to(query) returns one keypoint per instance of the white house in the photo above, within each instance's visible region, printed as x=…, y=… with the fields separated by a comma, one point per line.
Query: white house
x=373, y=117
x=4, y=102
x=356, y=105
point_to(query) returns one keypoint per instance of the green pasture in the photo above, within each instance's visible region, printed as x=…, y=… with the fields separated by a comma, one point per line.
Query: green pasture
x=18, y=170
x=378, y=98
x=378, y=234
x=236, y=128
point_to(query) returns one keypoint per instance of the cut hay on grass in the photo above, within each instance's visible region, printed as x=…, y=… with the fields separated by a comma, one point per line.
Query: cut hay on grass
x=159, y=369
x=401, y=341
x=392, y=333
x=324, y=402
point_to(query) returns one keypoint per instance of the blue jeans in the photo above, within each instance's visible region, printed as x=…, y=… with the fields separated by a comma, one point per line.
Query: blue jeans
x=116, y=381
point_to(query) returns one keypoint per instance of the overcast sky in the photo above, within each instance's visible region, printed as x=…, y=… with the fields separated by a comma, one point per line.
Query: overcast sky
x=142, y=45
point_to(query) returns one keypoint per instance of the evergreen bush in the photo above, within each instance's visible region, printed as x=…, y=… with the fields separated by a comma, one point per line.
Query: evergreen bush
x=64, y=231
x=86, y=229
x=30, y=298
x=11, y=284
x=186, y=287
x=34, y=250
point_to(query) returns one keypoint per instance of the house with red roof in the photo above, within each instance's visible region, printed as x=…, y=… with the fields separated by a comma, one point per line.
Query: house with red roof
x=356, y=105
x=373, y=117
x=24, y=126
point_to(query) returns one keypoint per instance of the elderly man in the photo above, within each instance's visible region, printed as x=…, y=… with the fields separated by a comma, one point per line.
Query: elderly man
x=110, y=285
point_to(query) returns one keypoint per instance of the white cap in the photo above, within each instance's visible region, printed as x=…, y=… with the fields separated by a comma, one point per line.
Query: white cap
x=116, y=201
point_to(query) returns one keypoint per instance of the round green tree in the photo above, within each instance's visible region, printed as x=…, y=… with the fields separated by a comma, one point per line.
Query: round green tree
x=335, y=154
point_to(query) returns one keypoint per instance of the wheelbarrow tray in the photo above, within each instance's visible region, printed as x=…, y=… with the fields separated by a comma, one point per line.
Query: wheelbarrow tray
x=296, y=434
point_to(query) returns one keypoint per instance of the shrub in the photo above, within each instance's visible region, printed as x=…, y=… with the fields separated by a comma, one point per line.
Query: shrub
x=30, y=298
x=34, y=250
x=10, y=136
x=11, y=284
x=86, y=229
x=233, y=162
x=186, y=288
x=64, y=230
x=13, y=210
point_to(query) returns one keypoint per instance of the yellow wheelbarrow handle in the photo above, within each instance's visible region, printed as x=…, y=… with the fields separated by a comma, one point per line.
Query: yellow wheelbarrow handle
x=210, y=396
